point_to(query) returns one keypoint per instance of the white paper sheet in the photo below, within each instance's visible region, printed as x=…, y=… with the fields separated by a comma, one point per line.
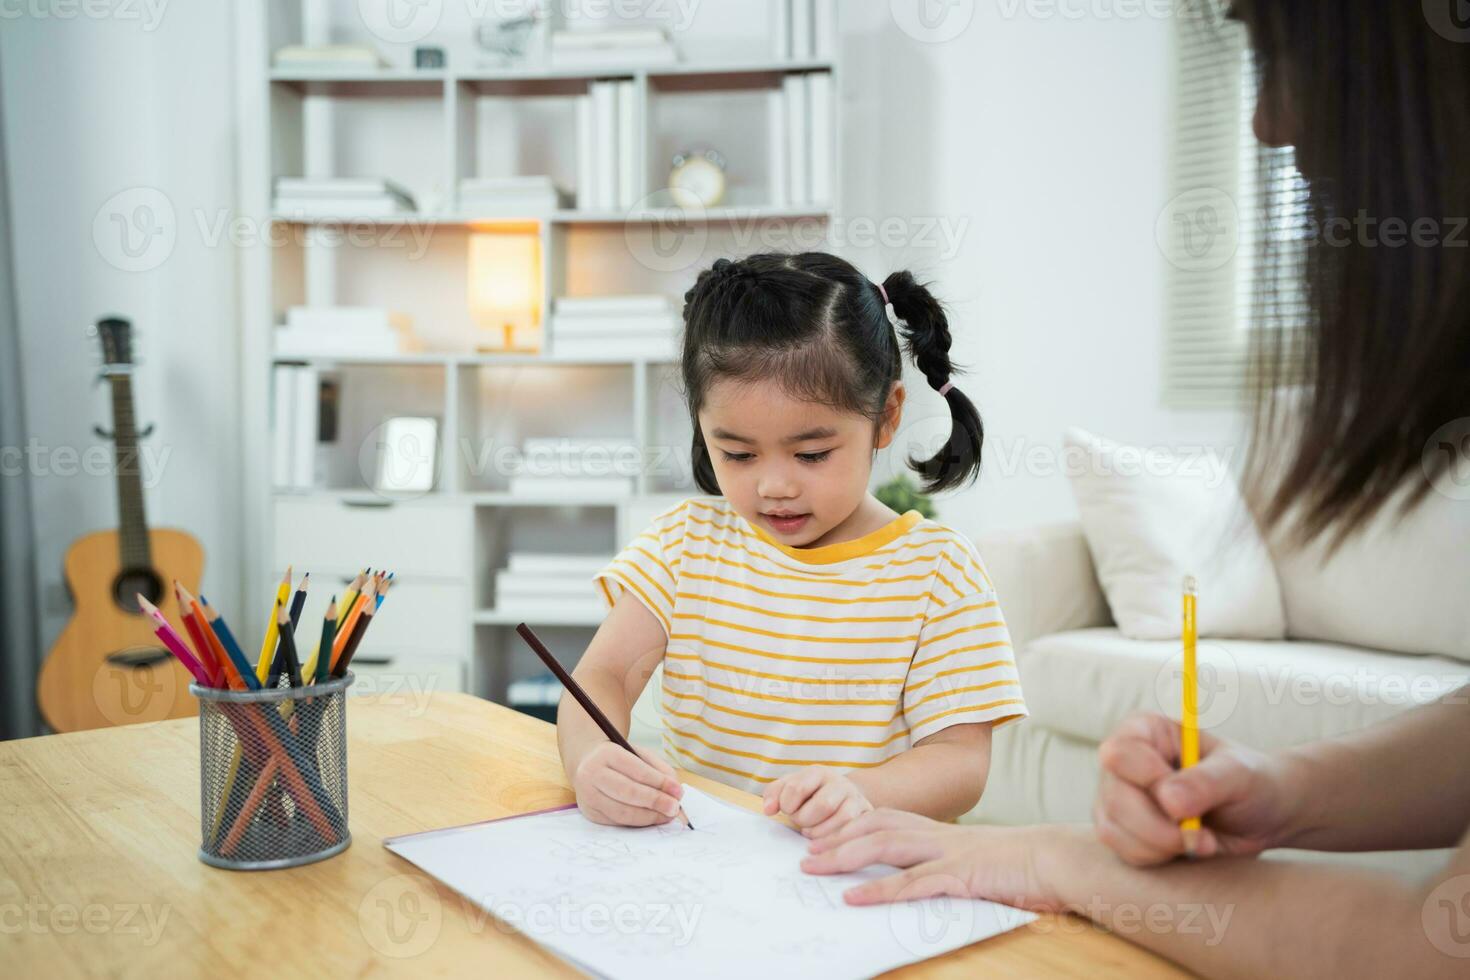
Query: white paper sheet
x=726, y=899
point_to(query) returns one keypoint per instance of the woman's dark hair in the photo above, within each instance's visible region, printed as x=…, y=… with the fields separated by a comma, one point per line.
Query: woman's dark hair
x=816, y=325
x=1375, y=97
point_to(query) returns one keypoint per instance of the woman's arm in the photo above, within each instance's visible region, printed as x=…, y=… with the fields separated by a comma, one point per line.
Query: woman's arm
x=1227, y=918
x=1327, y=795
x=612, y=785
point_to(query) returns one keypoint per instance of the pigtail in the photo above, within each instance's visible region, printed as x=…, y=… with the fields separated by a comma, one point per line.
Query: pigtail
x=926, y=336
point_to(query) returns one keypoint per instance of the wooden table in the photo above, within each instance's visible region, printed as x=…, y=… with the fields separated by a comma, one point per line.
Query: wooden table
x=99, y=875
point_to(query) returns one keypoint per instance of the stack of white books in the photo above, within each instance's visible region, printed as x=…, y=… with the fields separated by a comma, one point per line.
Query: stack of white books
x=614, y=328
x=802, y=29
x=514, y=196
x=576, y=469
x=332, y=197
x=801, y=139
x=331, y=331
x=607, y=146
x=296, y=406
x=328, y=57
x=536, y=584
x=612, y=47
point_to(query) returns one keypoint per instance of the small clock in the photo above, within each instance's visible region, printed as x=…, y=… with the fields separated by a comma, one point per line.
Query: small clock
x=697, y=179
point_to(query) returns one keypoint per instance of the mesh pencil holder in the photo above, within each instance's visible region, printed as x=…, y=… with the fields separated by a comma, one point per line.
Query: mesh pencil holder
x=273, y=774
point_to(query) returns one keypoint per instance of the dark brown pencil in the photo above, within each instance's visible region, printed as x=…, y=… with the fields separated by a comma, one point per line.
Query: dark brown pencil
x=355, y=640
x=575, y=690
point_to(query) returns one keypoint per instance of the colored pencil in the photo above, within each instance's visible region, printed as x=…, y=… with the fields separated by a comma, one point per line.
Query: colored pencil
x=345, y=627
x=383, y=592
x=1189, y=725
x=202, y=649
x=575, y=690
x=173, y=642
x=339, y=669
x=268, y=647
x=288, y=647
x=349, y=598
x=278, y=663
x=319, y=664
x=221, y=630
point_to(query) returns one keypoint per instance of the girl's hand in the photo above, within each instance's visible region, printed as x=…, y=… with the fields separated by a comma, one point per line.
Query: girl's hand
x=616, y=787
x=1142, y=795
x=1001, y=864
x=819, y=800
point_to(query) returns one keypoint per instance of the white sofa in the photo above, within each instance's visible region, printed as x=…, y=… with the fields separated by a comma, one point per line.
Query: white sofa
x=1081, y=676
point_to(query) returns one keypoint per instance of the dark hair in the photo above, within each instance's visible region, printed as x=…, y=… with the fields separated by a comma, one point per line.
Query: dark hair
x=815, y=324
x=1379, y=99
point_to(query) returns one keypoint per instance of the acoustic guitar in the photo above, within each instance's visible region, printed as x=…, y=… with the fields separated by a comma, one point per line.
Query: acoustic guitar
x=107, y=668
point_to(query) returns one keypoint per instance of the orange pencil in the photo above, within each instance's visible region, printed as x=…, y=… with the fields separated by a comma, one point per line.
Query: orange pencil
x=344, y=630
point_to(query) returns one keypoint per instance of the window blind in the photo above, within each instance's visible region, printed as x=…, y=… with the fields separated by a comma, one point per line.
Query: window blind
x=1237, y=225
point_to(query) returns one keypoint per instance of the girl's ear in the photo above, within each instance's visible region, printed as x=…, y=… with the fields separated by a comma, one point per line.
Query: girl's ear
x=892, y=416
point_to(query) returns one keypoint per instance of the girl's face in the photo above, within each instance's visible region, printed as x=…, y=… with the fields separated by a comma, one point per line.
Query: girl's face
x=796, y=469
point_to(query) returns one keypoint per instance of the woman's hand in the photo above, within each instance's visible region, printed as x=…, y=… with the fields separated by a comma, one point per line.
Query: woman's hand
x=1002, y=864
x=1238, y=792
x=819, y=800
x=616, y=787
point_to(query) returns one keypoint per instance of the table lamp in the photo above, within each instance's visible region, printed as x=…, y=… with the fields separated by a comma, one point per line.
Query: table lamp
x=505, y=289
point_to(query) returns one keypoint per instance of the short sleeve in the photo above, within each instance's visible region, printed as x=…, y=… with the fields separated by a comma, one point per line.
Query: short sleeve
x=648, y=567
x=963, y=670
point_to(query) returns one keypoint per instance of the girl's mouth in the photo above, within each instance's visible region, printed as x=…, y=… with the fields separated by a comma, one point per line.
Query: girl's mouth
x=787, y=524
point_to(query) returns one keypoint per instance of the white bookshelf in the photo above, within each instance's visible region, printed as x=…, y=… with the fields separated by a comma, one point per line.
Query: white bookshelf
x=426, y=130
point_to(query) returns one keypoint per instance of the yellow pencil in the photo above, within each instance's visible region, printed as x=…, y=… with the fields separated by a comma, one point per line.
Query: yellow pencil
x=1189, y=725
x=268, y=648
x=350, y=598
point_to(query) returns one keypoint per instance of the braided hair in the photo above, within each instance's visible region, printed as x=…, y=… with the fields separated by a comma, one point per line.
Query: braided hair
x=816, y=325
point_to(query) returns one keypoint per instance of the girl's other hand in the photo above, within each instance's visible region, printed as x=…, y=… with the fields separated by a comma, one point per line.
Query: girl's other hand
x=819, y=800
x=1142, y=795
x=616, y=787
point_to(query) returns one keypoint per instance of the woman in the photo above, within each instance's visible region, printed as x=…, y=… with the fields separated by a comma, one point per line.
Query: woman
x=1375, y=97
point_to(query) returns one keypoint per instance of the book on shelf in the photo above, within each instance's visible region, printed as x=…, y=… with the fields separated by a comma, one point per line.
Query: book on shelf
x=607, y=145
x=617, y=48
x=513, y=586
x=802, y=29
x=333, y=331
x=511, y=195
x=546, y=563
x=571, y=487
x=327, y=57
x=340, y=197
x=802, y=173
x=612, y=305
x=614, y=350
x=638, y=325
x=295, y=425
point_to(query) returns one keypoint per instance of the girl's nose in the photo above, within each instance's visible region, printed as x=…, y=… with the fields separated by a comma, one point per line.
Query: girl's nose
x=775, y=485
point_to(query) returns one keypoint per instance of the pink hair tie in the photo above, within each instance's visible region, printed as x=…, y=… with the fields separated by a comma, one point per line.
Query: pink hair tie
x=945, y=390
x=882, y=292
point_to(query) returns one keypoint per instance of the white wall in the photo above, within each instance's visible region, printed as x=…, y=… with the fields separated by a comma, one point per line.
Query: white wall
x=1037, y=141
x=1041, y=142
x=94, y=108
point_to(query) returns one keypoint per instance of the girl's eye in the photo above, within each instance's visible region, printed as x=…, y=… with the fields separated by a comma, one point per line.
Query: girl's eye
x=814, y=457
x=736, y=457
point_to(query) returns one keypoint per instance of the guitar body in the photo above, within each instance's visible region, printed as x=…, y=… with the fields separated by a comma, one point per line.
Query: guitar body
x=107, y=667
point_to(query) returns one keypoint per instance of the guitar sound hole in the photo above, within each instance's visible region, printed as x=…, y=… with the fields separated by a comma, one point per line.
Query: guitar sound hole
x=131, y=583
x=138, y=656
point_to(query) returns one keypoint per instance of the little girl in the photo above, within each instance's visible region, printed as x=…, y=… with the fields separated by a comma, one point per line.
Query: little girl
x=817, y=647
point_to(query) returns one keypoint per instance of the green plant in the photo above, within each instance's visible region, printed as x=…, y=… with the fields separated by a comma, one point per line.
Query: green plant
x=902, y=495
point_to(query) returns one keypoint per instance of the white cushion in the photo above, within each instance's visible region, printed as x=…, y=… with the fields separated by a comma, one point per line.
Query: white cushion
x=1266, y=694
x=1150, y=519
x=1396, y=585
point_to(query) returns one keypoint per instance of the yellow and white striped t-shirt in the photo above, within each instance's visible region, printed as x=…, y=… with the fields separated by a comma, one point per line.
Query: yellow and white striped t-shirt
x=842, y=655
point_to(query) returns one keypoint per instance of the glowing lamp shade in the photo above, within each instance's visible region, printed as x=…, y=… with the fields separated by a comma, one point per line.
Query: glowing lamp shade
x=505, y=288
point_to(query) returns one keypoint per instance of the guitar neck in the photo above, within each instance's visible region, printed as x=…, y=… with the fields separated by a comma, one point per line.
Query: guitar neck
x=132, y=522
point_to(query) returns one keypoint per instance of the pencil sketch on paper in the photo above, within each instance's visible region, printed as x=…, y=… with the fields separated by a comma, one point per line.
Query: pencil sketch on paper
x=670, y=902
